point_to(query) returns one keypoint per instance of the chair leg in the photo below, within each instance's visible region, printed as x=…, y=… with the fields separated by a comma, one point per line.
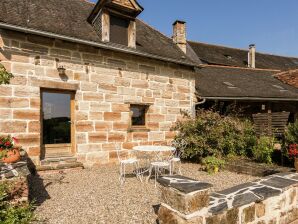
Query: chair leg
x=180, y=164
x=156, y=175
x=172, y=168
x=121, y=174
x=149, y=175
x=124, y=172
x=138, y=174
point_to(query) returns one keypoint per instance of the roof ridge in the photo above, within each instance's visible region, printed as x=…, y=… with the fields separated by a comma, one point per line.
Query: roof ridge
x=237, y=67
x=217, y=45
x=242, y=49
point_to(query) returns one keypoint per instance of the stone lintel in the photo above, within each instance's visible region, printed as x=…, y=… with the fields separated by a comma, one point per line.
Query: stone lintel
x=55, y=85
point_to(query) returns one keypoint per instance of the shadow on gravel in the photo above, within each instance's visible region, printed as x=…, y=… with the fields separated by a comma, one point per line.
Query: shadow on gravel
x=37, y=190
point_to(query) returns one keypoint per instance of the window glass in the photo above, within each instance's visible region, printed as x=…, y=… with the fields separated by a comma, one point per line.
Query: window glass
x=56, y=118
x=138, y=117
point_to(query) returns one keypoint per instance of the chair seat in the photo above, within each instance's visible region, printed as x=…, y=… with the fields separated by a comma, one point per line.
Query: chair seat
x=175, y=159
x=160, y=164
x=129, y=161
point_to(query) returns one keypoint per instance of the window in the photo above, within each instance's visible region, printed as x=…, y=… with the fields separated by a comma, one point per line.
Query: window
x=138, y=115
x=119, y=30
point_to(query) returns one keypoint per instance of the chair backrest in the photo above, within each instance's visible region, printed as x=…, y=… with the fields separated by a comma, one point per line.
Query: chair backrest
x=179, y=146
x=118, y=150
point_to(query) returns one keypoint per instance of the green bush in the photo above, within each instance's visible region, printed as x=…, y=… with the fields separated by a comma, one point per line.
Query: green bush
x=291, y=134
x=5, y=76
x=13, y=213
x=209, y=134
x=262, y=152
x=213, y=164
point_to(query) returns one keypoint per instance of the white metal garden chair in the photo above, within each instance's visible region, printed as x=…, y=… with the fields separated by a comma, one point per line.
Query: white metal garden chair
x=160, y=164
x=125, y=160
x=176, y=157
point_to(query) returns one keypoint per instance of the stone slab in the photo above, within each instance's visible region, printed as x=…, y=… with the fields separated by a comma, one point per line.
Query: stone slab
x=279, y=182
x=266, y=192
x=183, y=184
x=219, y=208
x=237, y=188
x=244, y=199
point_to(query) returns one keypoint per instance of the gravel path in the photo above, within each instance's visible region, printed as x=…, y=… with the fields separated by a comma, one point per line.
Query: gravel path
x=95, y=196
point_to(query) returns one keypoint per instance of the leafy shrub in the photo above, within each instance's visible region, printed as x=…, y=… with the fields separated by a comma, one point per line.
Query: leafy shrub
x=5, y=76
x=209, y=134
x=262, y=152
x=291, y=134
x=13, y=213
x=213, y=164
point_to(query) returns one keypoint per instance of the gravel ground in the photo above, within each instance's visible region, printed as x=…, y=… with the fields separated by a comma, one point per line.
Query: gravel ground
x=95, y=196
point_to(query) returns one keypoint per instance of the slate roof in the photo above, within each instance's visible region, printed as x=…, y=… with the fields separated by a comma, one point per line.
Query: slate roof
x=237, y=83
x=220, y=55
x=69, y=18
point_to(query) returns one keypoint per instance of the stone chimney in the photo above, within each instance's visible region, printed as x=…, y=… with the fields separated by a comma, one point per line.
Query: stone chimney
x=252, y=56
x=179, y=34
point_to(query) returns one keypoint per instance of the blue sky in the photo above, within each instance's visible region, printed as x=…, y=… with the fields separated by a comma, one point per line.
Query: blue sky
x=270, y=24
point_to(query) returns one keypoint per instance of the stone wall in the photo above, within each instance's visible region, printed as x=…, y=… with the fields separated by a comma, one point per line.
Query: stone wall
x=105, y=83
x=16, y=175
x=267, y=201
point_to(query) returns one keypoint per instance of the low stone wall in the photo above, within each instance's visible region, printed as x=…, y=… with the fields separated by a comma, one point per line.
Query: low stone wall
x=16, y=174
x=266, y=201
x=254, y=169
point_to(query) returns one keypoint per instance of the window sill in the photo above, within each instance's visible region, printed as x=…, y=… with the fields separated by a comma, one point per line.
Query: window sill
x=138, y=129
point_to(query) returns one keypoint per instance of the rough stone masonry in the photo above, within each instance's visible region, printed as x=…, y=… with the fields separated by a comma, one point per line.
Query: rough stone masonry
x=105, y=83
x=266, y=201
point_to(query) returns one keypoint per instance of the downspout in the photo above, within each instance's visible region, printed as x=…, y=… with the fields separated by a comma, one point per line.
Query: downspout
x=194, y=107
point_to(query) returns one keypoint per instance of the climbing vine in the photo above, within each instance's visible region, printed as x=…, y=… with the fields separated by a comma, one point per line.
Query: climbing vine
x=5, y=76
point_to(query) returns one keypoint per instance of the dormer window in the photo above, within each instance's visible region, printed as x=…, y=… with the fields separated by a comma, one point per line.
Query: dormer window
x=114, y=21
x=119, y=30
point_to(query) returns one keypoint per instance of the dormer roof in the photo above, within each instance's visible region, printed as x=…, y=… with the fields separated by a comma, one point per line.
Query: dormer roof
x=125, y=8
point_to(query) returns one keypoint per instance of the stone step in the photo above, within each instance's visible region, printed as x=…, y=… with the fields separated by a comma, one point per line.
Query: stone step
x=59, y=163
x=61, y=166
x=58, y=160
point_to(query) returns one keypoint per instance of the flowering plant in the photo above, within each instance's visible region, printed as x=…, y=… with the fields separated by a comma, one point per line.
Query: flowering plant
x=7, y=143
x=293, y=152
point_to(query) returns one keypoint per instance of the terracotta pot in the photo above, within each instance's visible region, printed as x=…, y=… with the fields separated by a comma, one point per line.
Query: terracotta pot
x=296, y=164
x=12, y=156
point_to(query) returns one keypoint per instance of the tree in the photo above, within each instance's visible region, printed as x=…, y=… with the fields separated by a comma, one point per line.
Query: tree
x=5, y=76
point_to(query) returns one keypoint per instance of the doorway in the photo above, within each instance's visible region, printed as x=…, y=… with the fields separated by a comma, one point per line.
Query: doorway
x=57, y=111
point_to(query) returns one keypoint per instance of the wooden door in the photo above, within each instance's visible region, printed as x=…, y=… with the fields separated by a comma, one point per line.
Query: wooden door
x=57, y=123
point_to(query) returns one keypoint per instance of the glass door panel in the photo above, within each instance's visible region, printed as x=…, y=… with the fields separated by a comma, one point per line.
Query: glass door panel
x=56, y=110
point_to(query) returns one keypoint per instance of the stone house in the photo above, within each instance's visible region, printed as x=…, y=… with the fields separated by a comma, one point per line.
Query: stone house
x=89, y=76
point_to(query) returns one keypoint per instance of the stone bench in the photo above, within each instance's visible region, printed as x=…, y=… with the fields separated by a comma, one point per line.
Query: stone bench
x=273, y=199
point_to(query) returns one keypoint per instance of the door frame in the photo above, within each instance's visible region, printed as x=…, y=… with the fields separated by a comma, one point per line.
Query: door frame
x=72, y=119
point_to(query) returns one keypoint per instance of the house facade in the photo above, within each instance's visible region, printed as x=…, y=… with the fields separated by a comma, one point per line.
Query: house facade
x=88, y=79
